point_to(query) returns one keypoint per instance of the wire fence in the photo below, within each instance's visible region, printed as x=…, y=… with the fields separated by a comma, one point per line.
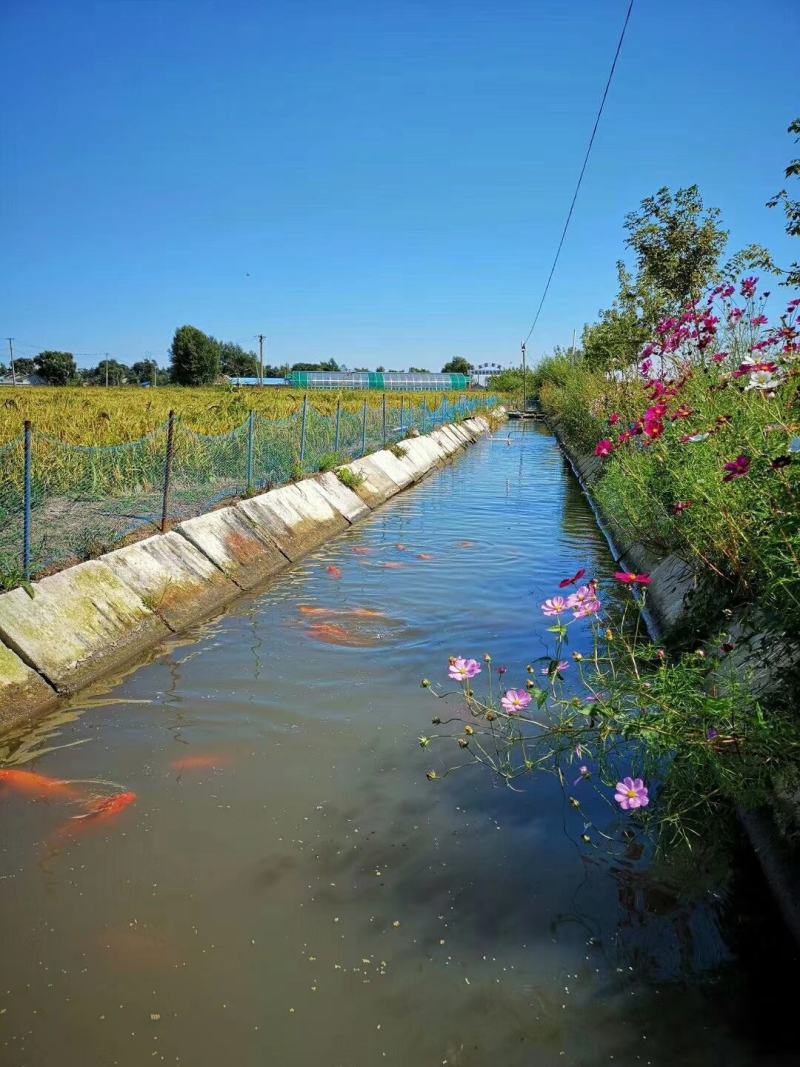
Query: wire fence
x=62, y=503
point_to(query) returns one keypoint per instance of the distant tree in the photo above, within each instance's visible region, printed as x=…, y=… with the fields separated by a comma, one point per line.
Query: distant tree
x=57, y=368
x=117, y=373
x=235, y=361
x=457, y=365
x=327, y=365
x=380, y=370
x=194, y=357
x=24, y=366
x=146, y=370
x=418, y=370
x=791, y=208
x=510, y=381
x=4, y=370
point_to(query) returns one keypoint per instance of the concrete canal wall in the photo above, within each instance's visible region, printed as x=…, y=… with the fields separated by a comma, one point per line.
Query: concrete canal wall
x=93, y=618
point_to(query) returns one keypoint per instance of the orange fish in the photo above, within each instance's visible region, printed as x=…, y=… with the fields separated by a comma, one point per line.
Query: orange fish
x=107, y=807
x=425, y=555
x=331, y=634
x=467, y=544
x=366, y=613
x=393, y=566
x=199, y=763
x=306, y=609
x=362, y=551
x=36, y=785
x=334, y=572
x=401, y=548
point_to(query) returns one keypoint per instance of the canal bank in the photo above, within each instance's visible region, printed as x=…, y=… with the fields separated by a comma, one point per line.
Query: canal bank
x=61, y=633
x=287, y=886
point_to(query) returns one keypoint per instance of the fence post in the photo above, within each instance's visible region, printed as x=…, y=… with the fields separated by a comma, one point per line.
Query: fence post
x=364, y=430
x=303, y=430
x=384, y=420
x=250, y=429
x=168, y=470
x=26, y=515
x=402, y=398
x=338, y=415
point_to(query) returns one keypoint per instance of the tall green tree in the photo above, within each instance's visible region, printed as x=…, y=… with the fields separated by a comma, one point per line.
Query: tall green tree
x=791, y=208
x=194, y=357
x=23, y=366
x=235, y=361
x=457, y=365
x=57, y=368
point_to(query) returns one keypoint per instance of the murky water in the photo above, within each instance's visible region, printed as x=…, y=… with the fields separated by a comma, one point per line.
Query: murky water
x=287, y=888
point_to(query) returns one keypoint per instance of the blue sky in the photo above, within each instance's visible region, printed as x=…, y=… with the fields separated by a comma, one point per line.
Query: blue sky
x=382, y=183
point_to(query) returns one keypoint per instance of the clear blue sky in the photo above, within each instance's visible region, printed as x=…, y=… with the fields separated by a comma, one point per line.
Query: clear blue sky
x=376, y=182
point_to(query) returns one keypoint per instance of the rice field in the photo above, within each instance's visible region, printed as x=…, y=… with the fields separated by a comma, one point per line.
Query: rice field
x=97, y=416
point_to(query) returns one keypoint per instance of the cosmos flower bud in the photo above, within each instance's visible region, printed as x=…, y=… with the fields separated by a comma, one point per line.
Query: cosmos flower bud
x=463, y=742
x=431, y=776
x=425, y=683
x=490, y=716
x=469, y=729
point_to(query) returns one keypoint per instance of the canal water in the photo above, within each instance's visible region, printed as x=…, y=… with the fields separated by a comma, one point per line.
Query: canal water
x=287, y=887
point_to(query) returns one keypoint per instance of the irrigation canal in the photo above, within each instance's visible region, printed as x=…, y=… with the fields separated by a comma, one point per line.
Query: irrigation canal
x=287, y=888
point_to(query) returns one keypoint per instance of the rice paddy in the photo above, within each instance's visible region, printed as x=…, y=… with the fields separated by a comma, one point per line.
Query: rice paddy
x=97, y=416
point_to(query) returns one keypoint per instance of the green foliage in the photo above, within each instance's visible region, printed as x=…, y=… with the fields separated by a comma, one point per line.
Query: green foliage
x=397, y=451
x=109, y=370
x=57, y=368
x=791, y=208
x=194, y=357
x=23, y=366
x=351, y=479
x=328, y=365
x=329, y=461
x=235, y=361
x=457, y=365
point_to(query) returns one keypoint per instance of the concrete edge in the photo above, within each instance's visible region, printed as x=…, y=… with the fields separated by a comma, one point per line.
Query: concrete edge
x=98, y=616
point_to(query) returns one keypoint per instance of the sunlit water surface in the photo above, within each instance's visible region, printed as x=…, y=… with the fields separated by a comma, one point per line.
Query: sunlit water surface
x=310, y=898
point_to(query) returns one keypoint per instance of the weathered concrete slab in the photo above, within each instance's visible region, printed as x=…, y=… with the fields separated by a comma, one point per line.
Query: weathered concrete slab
x=231, y=541
x=472, y=428
x=426, y=452
x=376, y=486
x=414, y=461
x=298, y=520
x=315, y=495
x=449, y=441
x=398, y=470
x=483, y=422
x=349, y=503
x=23, y=692
x=173, y=577
x=79, y=624
x=463, y=435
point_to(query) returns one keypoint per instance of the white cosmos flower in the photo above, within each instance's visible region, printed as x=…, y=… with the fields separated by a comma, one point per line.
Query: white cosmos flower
x=765, y=380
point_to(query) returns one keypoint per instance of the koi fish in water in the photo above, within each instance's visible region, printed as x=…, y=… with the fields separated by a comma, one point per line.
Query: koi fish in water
x=331, y=634
x=199, y=763
x=393, y=566
x=334, y=572
x=36, y=785
x=360, y=551
x=358, y=613
x=104, y=808
x=425, y=555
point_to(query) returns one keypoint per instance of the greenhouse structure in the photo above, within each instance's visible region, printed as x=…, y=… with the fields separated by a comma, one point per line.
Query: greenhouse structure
x=382, y=380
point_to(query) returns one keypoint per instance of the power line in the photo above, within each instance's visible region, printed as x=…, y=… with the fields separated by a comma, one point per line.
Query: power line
x=583, y=171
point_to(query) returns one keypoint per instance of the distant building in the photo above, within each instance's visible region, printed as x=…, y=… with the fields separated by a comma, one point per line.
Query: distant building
x=23, y=379
x=388, y=381
x=256, y=381
x=483, y=372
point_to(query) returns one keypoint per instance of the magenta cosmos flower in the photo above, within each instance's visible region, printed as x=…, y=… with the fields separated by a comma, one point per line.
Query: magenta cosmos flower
x=461, y=670
x=631, y=793
x=604, y=447
x=629, y=578
x=737, y=469
x=555, y=605
x=515, y=700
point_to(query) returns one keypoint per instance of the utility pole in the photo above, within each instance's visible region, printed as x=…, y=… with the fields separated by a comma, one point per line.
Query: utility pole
x=524, y=379
x=261, y=359
x=106, y=370
x=11, y=350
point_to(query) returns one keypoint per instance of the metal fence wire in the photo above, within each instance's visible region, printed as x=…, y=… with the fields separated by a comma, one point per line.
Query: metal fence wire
x=63, y=503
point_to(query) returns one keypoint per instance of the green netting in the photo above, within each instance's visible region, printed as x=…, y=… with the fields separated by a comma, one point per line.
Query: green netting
x=86, y=500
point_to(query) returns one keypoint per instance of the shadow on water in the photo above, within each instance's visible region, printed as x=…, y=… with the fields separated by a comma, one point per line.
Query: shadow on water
x=288, y=887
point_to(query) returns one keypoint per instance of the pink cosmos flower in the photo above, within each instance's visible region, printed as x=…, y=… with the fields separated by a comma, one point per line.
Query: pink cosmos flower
x=629, y=578
x=461, y=670
x=583, y=772
x=737, y=469
x=604, y=447
x=555, y=605
x=614, y=419
x=515, y=700
x=587, y=608
x=682, y=505
x=581, y=595
x=749, y=287
x=631, y=793
x=555, y=668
